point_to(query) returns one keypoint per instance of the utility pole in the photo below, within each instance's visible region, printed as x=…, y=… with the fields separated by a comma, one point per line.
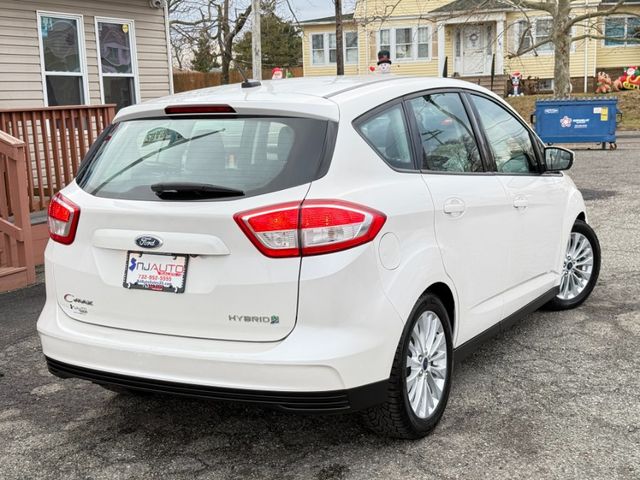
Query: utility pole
x=339, y=49
x=256, y=42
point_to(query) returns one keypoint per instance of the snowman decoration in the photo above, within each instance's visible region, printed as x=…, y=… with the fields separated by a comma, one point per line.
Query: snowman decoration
x=384, y=61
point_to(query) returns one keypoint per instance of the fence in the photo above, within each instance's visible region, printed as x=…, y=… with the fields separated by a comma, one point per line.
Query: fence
x=183, y=81
x=16, y=245
x=56, y=139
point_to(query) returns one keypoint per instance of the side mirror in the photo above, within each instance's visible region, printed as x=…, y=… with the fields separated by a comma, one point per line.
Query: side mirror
x=558, y=158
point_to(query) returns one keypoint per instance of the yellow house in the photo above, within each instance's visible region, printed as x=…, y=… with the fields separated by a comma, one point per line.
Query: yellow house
x=472, y=39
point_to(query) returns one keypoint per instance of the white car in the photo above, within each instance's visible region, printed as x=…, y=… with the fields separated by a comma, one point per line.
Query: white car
x=316, y=245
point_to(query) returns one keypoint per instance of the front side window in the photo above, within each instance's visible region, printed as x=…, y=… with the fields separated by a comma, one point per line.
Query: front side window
x=509, y=141
x=448, y=142
x=245, y=154
x=63, y=65
x=622, y=31
x=116, y=55
x=387, y=133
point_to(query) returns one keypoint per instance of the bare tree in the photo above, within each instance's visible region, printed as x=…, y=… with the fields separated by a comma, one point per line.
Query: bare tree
x=222, y=20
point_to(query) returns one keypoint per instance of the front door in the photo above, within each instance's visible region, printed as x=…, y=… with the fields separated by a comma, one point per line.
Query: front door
x=470, y=210
x=474, y=46
x=536, y=200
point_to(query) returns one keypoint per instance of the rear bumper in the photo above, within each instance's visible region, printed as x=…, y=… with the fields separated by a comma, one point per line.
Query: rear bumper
x=337, y=369
x=326, y=402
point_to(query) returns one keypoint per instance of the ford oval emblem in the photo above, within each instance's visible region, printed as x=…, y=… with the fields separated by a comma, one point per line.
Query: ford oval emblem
x=148, y=241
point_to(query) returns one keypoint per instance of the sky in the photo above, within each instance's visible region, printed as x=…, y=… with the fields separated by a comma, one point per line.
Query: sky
x=306, y=9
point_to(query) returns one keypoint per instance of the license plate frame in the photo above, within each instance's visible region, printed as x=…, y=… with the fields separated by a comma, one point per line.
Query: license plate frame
x=159, y=276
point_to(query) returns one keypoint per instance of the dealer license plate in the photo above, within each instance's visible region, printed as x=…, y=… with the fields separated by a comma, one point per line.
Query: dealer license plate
x=156, y=271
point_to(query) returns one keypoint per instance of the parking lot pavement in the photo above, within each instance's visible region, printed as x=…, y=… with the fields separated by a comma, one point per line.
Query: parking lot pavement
x=557, y=396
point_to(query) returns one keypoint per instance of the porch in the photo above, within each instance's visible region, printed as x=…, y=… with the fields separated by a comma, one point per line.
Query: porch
x=40, y=153
x=473, y=51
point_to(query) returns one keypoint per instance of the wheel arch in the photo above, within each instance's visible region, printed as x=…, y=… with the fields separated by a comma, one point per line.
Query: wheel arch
x=446, y=296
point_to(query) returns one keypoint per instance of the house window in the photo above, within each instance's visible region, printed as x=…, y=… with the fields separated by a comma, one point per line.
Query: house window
x=538, y=30
x=385, y=40
x=545, y=85
x=543, y=28
x=117, y=61
x=351, y=47
x=406, y=44
x=627, y=29
x=332, y=48
x=317, y=48
x=423, y=42
x=62, y=56
x=530, y=34
x=323, y=48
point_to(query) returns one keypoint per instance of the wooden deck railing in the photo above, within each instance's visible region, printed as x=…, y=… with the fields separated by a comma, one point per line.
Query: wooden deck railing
x=56, y=139
x=16, y=244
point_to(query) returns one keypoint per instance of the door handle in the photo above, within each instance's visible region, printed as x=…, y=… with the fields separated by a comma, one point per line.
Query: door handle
x=454, y=207
x=520, y=203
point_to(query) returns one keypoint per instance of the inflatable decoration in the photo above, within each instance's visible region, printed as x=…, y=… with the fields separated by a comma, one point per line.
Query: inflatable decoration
x=384, y=61
x=516, y=79
x=629, y=80
x=604, y=83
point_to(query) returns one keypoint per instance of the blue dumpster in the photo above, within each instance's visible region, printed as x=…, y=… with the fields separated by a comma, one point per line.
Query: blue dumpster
x=577, y=120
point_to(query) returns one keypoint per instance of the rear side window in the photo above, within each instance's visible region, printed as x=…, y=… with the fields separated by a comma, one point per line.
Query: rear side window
x=448, y=142
x=386, y=132
x=252, y=155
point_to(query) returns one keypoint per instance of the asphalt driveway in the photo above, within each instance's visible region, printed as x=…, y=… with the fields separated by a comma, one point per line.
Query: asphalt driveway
x=557, y=396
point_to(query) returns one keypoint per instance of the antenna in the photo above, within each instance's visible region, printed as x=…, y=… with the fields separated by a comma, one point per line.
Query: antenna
x=246, y=83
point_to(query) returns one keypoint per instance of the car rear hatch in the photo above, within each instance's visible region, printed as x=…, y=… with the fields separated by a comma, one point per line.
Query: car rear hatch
x=157, y=248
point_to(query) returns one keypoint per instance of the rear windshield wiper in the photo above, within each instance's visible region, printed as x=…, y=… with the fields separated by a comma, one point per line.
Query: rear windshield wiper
x=151, y=154
x=193, y=191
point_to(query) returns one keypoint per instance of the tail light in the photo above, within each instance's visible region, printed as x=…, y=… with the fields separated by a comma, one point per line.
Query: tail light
x=310, y=228
x=63, y=219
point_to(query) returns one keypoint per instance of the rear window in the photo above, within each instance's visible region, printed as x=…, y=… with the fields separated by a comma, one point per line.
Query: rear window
x=253, y=155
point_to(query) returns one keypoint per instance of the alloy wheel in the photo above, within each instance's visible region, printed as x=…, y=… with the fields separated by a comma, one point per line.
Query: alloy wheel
x=577, y=267
x=426, y=364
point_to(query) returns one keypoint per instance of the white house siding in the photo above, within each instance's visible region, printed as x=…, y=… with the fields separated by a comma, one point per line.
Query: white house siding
x=20, y=71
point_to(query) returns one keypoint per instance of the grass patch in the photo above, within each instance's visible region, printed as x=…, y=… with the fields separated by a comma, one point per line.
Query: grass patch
x=628, y=104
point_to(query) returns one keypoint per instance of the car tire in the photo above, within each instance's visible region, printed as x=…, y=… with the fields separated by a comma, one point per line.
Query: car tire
x=397, y=417
x=581, y=268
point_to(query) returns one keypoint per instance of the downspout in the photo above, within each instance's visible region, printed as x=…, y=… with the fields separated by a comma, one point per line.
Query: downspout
x=366, y=41
x=586, y=61
x=169, y=52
